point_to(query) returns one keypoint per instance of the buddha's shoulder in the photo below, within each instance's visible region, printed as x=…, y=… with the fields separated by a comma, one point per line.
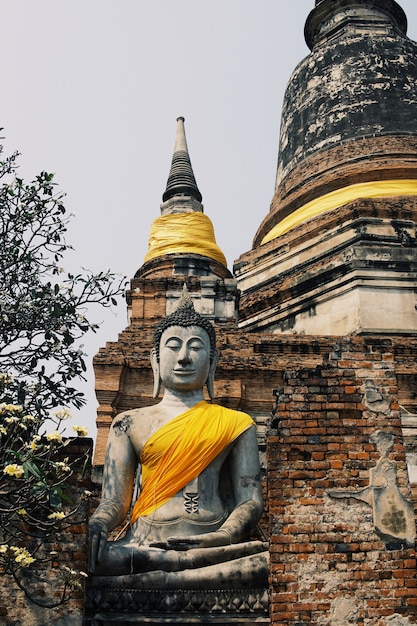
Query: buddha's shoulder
x=133, y=417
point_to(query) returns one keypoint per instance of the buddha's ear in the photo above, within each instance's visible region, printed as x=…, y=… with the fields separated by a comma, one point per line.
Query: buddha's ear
x=156, y=376
x=210, y=378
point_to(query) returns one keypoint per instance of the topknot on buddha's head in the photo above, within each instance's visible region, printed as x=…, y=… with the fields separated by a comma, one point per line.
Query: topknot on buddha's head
x=185, y=315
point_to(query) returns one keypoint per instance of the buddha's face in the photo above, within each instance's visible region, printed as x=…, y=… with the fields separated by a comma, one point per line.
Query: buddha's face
x=184, y=358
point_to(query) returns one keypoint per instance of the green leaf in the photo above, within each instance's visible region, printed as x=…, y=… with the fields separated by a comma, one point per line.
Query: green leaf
x=30, y=468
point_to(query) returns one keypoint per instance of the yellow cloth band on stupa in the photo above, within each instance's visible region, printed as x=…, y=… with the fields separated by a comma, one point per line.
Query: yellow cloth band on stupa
x=339, y=197
x=183, y=232
x=179, y=451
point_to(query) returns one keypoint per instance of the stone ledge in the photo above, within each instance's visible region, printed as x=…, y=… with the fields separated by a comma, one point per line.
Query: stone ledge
x=182, y=607
x=122, y=618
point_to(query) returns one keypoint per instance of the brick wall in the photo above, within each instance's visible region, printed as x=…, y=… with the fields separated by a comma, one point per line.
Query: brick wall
x=329, y=565
x=70, y=548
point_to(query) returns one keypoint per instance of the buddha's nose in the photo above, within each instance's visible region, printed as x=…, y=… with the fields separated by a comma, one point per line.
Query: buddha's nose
x=184, y=356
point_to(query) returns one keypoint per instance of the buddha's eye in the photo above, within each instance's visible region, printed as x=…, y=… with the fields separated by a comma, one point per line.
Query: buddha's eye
x=172, y=344
x=196, y=346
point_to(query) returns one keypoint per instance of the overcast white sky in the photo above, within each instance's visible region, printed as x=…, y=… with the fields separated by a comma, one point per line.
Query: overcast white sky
x=91, y=90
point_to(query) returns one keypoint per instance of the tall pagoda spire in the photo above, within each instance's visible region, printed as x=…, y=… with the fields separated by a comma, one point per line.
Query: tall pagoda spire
x=183, y=228
x=181, y=179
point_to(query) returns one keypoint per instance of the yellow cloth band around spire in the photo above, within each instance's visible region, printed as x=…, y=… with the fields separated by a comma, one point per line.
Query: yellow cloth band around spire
x=191, y=233
x=339, y=197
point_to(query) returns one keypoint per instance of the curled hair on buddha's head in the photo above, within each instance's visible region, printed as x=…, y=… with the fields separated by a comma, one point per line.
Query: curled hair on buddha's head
x=185, y=315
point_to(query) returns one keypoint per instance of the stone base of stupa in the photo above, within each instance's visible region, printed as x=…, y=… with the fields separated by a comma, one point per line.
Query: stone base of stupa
x=134, y=606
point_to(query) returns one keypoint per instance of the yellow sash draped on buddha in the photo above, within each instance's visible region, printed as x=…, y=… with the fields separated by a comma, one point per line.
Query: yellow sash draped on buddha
x=179, y=451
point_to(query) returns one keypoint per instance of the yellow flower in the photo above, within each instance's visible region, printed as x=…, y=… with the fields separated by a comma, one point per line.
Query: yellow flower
x=55, y=436
x=62, y=466
x=81, y=431
x=14, y=470
x=34, y=443
x=13, y=408
x=22, y=556
x=3, y=549
x=22, y=512
x=11, y=420
x=6, y=378
x=56, y=515
x=3, y=431
x=25, y=561
x=62, y=414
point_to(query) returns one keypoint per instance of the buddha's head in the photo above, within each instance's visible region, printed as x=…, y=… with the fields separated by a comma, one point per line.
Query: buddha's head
x=184, y=355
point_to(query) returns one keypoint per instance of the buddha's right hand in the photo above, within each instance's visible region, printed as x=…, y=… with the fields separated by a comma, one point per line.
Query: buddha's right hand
x=97, y=533
x=206, y=540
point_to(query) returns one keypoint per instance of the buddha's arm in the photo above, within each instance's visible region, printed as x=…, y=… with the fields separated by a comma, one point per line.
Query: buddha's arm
x=245, y=475
x=118, y=480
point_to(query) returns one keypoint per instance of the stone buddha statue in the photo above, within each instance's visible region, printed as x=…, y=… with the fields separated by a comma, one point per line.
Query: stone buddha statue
x=199, y=487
